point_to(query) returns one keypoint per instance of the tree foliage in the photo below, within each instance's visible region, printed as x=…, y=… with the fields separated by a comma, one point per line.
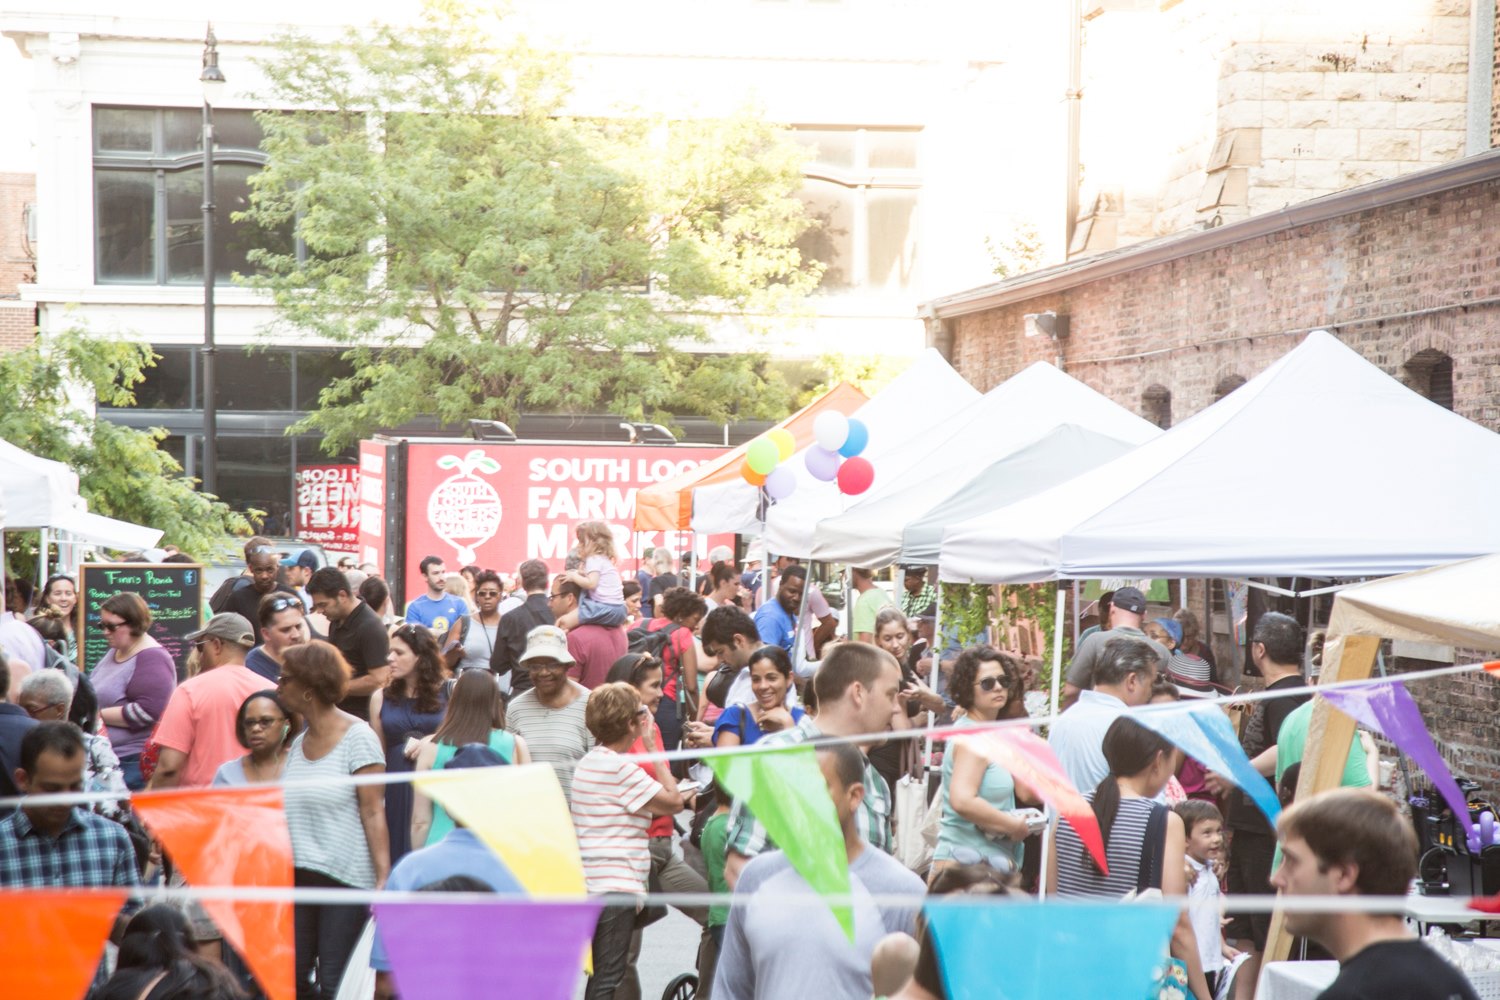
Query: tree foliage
x=50, y=388
x=482, y=254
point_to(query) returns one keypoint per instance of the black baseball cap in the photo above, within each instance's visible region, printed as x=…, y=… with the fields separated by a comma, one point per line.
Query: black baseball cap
x=1130, y=599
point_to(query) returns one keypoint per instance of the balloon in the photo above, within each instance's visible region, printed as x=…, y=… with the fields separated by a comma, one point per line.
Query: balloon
x=856, y=475
x=781, y=483
x=750, y=475
x=822, y=463
x=762, y=456
x=786, y=445
x=859, y=436
x=831, y=429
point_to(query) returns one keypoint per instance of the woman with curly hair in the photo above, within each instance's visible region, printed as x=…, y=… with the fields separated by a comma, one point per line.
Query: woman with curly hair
x=410, y=708
x=980, y=822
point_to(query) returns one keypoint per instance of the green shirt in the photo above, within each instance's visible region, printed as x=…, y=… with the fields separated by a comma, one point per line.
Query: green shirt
x=866, y=608
x=713, y=842
x=1293, y=738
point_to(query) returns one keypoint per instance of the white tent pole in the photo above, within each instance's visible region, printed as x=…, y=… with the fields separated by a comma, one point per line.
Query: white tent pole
x=1041, y=878
x=1077, y=614
x=41, y=560
x=693, y=561
x=1182, y=593
x=1057, y=649
x=765, y=567
x=937, y=656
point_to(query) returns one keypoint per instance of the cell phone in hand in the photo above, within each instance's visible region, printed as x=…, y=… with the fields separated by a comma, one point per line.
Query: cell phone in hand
x=1036, y=820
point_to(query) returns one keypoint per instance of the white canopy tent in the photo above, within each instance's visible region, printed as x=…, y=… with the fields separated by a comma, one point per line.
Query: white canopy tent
x=38, y=494
x=1007, y=445
x=1312, y=468
x=1457, y=604
x=902, y=419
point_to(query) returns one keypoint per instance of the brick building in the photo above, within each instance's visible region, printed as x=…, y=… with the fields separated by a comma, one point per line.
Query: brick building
x=17, y=259
x=1406, y=271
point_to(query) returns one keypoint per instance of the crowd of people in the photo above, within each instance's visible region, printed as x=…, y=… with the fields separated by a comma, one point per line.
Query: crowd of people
x=305, y=672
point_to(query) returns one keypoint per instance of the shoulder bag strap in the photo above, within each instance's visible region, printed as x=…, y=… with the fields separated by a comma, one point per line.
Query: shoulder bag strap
x=1153, y=850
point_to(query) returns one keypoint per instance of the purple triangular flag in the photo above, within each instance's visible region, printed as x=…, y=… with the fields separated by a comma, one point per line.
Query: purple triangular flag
x=446, y=951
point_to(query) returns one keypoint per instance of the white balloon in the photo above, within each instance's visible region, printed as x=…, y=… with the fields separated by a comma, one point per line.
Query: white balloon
x=831, y=430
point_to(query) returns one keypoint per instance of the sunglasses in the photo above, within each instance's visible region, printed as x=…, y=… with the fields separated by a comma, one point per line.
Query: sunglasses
x=109, y=627
x=990, y=683
x=282, y=603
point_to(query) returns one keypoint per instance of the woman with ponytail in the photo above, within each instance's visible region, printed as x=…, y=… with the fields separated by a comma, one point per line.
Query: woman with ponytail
x=1144, y=840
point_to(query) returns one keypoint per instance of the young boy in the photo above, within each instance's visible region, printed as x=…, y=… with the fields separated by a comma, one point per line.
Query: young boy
x=1204, y=827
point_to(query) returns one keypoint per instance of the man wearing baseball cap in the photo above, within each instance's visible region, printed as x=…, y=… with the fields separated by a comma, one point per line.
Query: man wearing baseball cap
x=196, y=731
x=549, y=715
x=298, y=572
x=1126, y=611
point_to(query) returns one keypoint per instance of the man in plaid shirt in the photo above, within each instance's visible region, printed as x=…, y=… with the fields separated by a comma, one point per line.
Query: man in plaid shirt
x=918, y=598
x=857, y=686
x=60, y=846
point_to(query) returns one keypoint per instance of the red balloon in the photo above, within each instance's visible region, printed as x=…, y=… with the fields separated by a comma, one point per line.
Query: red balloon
x=856, y=475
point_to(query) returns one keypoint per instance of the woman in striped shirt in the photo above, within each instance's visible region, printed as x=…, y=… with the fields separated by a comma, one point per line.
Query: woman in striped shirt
x=1144, y=840
x=613, y=802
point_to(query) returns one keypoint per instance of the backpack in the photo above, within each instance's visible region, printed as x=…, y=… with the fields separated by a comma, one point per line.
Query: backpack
x=642, y=640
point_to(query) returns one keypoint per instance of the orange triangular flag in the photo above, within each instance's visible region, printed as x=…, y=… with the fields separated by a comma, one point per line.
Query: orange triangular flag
x=234, y=836
x=51, y=940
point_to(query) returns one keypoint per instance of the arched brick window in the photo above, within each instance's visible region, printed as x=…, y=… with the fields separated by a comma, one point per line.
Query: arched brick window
x=1430, y=372
x=1156, y=406
x=1226, y=385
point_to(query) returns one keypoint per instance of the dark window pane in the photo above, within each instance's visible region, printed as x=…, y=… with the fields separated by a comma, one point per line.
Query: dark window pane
x=125, y=207
x=185, y=226
x=891, y=150
x=255, y=472
x=168, y=386
x=892, y=237
x=236, y=130
x=253, y=380
x=183, y=131
x=316, y=370
x=233, y=240
x=123, y=130
x=831, y=241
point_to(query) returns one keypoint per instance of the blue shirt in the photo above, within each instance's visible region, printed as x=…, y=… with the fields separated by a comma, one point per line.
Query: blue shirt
x=459, y=853
x=260, y=661
x=775, y=625
x=437, y=615
x=738, y=719
x=90, y=851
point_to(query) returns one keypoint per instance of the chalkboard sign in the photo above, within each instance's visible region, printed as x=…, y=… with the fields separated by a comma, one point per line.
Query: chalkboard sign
x=173, y=592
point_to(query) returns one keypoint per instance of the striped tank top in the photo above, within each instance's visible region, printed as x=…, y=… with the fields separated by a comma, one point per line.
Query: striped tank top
x=1076, y=875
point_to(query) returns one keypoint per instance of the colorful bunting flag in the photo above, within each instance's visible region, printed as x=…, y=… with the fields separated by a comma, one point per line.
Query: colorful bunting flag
x=1031, y=761
x=542, y=851
x=234, y=836
x=489, y=949
x=1001, y=950
x=51, y=940
x=1389, y=710
x=1204, y=733
x=788, y=794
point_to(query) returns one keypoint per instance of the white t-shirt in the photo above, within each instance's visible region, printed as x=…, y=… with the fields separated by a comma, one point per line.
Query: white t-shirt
x=609, y=813
x=327, y=834
x=1204, y=914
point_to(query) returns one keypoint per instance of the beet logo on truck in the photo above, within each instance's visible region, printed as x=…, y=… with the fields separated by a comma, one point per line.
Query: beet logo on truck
x=464, y=510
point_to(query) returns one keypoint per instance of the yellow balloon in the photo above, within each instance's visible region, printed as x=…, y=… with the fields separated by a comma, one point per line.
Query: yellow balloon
x=786, y=445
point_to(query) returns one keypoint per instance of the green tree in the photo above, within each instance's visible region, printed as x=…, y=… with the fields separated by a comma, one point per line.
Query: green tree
x=483, y=254
x=1022, y=250
x=869, y=373
x=49, y=389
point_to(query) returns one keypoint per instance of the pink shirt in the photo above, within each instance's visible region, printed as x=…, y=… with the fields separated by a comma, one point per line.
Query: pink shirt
x=199, y=720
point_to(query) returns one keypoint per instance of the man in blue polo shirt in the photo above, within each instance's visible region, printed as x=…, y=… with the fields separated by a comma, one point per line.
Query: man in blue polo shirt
x=776, y=621
x=437, y=609
x=459, y=853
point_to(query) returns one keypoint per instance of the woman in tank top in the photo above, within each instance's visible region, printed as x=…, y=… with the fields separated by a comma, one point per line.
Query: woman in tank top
x=1144, y=841
x=476, y=714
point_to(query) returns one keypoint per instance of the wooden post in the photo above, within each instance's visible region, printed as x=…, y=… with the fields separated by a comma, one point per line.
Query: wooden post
x=1329, y=733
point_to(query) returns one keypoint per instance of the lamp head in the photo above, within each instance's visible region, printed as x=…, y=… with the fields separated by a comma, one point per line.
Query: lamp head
x=212, y=76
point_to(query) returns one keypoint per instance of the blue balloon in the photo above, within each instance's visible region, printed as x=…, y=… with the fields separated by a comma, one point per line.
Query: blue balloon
x=859, y=436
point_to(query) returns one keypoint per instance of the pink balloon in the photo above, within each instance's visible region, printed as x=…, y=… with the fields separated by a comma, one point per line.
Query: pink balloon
x=822, y=463
x=781, y=483
x=856, y=475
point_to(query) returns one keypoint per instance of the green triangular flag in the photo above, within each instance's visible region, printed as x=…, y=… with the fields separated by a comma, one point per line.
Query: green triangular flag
x=786, y=792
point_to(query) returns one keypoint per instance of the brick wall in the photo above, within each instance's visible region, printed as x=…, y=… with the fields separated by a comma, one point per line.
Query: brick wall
x=1495, y=91
x=17, y=267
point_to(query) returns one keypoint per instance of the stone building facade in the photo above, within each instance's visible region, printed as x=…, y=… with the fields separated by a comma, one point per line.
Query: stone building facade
x=17, y=259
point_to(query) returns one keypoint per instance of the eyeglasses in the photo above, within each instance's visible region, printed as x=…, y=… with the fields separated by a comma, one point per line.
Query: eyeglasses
x=487, y=593
x=553, y=597
x=545, y=666
x=109, y=627
x=264, y=722
x=261, y=550
x=990, y=683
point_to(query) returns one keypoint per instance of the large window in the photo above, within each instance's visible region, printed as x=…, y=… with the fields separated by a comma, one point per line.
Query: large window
x=861, y=186
x=148, y=195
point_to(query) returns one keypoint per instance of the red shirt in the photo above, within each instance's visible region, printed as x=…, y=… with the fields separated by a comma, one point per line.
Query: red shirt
x=681, y=640
x=661, y=826
x=596, y=649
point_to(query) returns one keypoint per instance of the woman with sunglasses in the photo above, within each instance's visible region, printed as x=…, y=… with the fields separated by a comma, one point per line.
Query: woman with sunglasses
x=133, y=681
x=473, y=636
x=407, y=710
x=979, y=797
x=264, y=727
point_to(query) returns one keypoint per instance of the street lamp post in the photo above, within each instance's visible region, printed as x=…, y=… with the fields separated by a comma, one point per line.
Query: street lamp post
x=212, y=79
